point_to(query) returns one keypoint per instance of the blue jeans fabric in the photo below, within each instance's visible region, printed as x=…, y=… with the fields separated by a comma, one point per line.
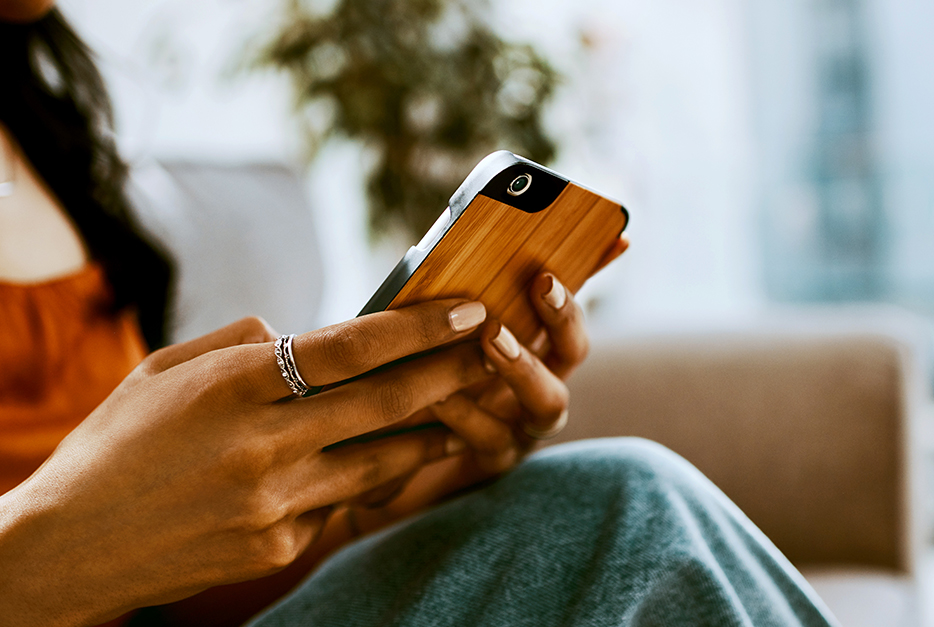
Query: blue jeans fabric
x=595, y=533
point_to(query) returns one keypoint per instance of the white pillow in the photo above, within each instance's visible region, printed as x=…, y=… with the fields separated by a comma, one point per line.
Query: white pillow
x=243, y=241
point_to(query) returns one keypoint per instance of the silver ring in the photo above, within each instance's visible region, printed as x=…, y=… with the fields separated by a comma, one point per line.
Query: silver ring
x=547, y=434
x=286, y=360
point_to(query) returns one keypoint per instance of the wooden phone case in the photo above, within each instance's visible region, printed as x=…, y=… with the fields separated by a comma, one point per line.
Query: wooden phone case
x=489, y=246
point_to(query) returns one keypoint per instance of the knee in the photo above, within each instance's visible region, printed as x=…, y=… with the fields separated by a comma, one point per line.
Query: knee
x=609, y=463
x=627, y=454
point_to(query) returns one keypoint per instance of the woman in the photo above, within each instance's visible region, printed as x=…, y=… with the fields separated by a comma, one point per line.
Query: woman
x=193, y=473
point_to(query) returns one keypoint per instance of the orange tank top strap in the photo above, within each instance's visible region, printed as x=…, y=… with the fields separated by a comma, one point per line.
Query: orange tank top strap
x=62, y=351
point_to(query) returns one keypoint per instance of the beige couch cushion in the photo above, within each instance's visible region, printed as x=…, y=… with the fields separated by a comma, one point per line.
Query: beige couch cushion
x=805, y=434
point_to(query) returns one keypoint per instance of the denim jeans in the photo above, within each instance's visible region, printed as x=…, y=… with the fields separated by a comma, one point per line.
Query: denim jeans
x=594, y=533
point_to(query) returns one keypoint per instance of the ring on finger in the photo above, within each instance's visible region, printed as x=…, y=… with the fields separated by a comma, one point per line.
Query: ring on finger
x=287, y=366
x=547, y=434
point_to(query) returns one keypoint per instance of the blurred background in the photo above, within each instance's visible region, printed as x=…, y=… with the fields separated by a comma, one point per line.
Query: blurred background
x=771, y=152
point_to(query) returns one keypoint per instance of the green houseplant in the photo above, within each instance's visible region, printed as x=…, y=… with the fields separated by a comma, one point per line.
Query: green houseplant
x=427, y=85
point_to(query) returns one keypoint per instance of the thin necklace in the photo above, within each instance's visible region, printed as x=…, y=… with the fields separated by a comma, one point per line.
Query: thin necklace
x=8, y=183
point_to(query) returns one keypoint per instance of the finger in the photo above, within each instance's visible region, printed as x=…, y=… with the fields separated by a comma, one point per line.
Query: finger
x=345, y=474
x=308, y=526
x=491, y=439
x=252, y=330
x=543, y=395
x=384, y=398
x=382, y=495
x=620, y=246
x=352, y=348
x=564, y=322
x=499, y=400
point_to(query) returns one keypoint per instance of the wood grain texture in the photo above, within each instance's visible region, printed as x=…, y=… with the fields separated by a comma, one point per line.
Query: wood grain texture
x=493, y=252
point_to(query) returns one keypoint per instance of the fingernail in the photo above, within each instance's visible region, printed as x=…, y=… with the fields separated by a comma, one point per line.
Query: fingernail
x=506, y=343
x=556, y=296
x=454, y=445
x=489, y=366
x=466, y=316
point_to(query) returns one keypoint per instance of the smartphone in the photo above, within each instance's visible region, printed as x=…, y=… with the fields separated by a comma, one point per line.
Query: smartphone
x=510, y=220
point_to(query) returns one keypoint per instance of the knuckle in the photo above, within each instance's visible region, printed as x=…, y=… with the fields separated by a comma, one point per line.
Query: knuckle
x=371, y=471
x=151, y=365
x=551, y=411
x=583, y=348
x=254, y=329
x=558, y=402
x=470, y=365
x=247, y=466
x=506, y=459
x=144, y=370
x=563, y=397
x=273, y=549
x=424, y=329
x=347, y=346
x=457, y=409
x=395, y=400
x=525, y=366
x=497, y=442
x=235, y=379
x=577, y=345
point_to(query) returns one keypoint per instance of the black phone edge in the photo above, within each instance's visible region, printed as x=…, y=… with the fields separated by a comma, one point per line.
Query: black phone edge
x=473, y=186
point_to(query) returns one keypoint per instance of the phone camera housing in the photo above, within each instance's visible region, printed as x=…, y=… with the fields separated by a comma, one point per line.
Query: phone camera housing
x=520, y=185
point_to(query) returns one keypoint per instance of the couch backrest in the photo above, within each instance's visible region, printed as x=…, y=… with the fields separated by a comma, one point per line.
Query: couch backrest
x=243, y=240
x=808, y=435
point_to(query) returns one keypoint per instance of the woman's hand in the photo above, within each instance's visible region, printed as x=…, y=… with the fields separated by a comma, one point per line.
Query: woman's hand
x=196, y=471
x=496, y=418
x=529, y=400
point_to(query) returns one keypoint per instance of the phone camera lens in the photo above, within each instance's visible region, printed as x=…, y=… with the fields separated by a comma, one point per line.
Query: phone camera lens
x=520, y=185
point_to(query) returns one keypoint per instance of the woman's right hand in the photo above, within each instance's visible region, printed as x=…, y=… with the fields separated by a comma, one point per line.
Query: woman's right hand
x=196, y=472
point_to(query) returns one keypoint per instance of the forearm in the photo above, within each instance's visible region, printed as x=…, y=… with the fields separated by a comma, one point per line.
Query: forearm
x=32, y=590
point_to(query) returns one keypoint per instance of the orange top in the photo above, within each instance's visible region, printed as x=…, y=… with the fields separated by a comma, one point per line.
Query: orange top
x=62, y=352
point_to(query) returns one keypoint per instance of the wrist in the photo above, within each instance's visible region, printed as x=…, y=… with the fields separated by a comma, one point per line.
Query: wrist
x=34, y=589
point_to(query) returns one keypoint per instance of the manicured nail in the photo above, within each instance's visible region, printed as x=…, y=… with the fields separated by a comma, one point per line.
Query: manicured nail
x=454, y=445
x=467, y=316
x=556, y=296
x=506, y=343
x=489, y=366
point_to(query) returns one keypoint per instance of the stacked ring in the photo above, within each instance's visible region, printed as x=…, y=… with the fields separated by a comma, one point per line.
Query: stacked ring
x=286, y=360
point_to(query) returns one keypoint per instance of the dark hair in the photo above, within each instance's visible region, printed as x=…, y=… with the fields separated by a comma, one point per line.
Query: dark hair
x=55, y=105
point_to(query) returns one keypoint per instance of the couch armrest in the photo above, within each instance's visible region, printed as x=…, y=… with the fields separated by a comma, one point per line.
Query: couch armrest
x=808, y=435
